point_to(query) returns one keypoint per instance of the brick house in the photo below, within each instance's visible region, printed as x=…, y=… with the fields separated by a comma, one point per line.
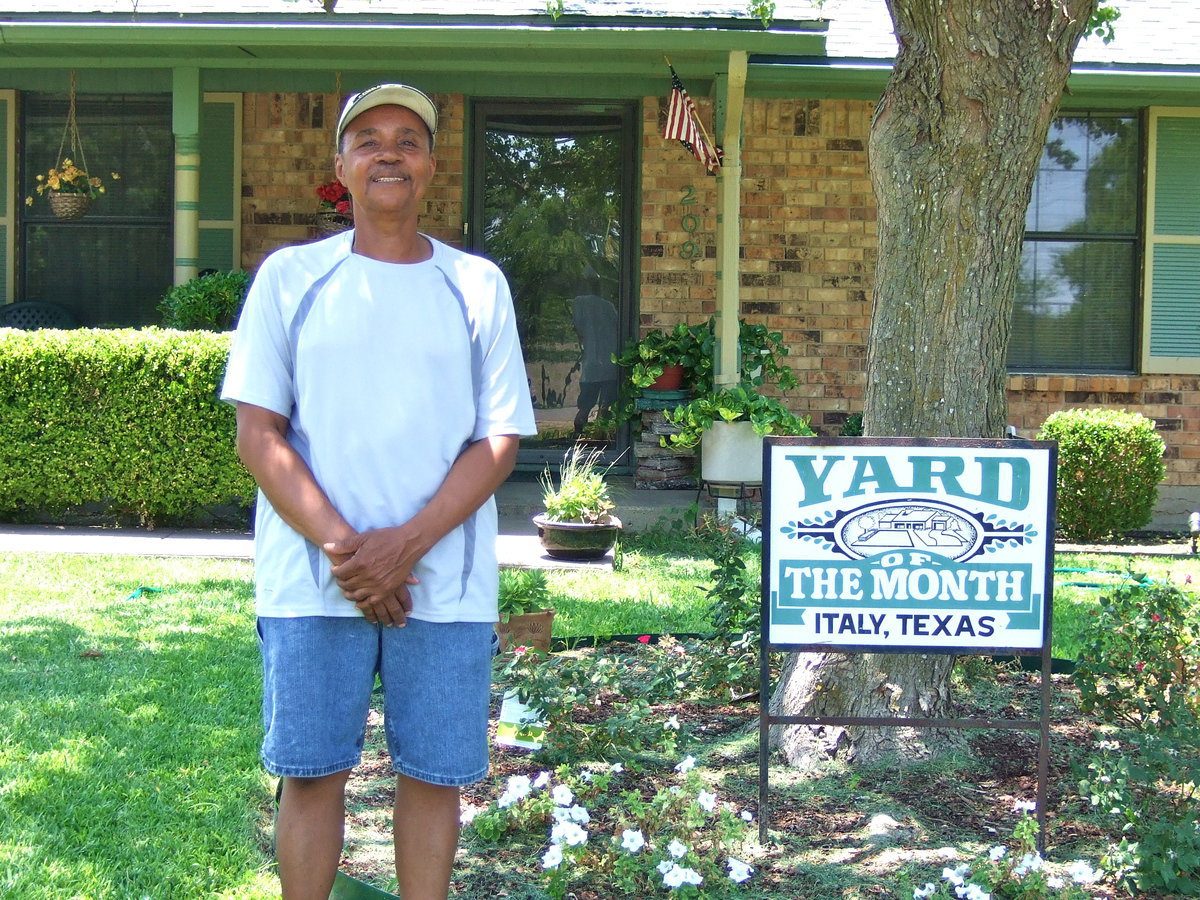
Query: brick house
x=220, y=121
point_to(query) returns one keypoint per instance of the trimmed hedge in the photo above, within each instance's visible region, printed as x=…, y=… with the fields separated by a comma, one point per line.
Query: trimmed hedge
x=1109, y=465
x=122, y=423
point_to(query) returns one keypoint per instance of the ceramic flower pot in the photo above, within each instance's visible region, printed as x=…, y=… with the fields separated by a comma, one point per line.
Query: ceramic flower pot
x=577, y=540
x=731, y=453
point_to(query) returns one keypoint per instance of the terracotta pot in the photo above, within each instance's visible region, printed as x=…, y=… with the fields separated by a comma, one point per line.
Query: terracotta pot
x=577, y=540
x=670, y=380
x=530, y=629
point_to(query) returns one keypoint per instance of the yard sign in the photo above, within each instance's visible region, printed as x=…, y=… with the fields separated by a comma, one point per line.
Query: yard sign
x=905, y=545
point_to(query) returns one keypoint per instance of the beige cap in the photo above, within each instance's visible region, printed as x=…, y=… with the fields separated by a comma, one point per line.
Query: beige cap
x=384, y=95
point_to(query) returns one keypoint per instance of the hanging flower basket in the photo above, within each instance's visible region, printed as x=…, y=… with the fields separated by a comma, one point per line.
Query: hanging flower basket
x=69, y=206
x=329, y=223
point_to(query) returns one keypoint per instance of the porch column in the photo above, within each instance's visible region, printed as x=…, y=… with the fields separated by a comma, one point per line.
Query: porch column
x=729, y=232
x=185, y=123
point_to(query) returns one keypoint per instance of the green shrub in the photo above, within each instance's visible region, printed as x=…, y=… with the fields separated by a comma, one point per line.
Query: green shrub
x=122, y=423
x=207, y=303
x=1109, y=467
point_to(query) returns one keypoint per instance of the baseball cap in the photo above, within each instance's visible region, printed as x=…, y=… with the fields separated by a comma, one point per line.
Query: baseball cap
x=383, y=95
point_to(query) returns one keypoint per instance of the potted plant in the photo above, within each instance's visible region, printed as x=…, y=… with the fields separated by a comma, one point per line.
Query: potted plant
x=71, y=189
x=334, y=211
x=732, y=423
x=525, y=613
x=578, y=522
x=664, y=360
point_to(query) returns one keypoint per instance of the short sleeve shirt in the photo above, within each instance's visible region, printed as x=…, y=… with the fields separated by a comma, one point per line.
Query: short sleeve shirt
x=386, y=372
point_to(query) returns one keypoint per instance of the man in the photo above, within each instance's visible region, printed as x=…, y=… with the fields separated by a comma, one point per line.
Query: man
x=380, y=396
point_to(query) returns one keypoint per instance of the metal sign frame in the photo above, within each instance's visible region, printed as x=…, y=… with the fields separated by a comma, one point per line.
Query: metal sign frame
x=1045, y=519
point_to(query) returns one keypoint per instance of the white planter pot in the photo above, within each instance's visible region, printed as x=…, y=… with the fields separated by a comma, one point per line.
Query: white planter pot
x=731, y=453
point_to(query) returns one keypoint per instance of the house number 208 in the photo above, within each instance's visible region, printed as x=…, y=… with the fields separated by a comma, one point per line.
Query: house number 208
x=690, y=222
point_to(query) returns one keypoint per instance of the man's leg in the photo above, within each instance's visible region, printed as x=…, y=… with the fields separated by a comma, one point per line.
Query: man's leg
x=425, y=827
x=309, y=834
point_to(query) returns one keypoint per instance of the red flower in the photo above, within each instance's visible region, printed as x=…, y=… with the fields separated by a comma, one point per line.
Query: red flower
x=331, y=193
x=343, y=207
x=1155, y=617
x=644, y=639
x=1139, y=666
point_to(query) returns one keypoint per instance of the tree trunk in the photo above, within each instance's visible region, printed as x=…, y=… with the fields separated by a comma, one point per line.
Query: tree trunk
x=954, y=148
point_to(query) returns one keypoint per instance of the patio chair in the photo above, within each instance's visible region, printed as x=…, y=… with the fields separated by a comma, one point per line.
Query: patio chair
x=30, y=315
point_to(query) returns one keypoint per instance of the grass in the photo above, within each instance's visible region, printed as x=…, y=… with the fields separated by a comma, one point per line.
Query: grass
x=129, y=722
x=129, y=731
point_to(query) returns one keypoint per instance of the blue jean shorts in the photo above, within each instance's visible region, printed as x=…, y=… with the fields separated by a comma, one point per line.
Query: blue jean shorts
x=318, y=676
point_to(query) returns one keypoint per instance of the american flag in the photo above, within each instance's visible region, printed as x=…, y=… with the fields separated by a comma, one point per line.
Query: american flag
x=683, y=126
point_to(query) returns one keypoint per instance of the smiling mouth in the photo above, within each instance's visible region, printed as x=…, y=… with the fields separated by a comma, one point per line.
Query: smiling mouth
x=389, y=179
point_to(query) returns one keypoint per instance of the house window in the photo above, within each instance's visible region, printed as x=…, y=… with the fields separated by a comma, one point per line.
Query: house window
x=1076, y=300
x=113, y=266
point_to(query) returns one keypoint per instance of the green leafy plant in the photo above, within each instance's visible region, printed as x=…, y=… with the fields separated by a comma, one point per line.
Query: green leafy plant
x=853, y=426
x=1139, y=665
x=566, y=690
x=645, y=358
x=522, y=591
x=735, y=404
x=117, y=424
x=1109, y=466
x=581, y=494
x=679, y=840
x=1147, y=782
x=209, y=302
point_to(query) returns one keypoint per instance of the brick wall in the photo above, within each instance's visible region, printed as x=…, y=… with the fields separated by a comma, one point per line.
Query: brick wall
x=287, y=150
x=808, y=240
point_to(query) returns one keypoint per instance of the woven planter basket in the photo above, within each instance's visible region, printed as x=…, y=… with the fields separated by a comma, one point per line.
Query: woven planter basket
x=329, y=223
x=69, y=206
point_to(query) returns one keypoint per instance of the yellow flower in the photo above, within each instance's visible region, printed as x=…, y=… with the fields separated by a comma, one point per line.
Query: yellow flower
x=29, y=201
x=67, y=163
x=41, y=178
x=116, y=176
x=101, y=189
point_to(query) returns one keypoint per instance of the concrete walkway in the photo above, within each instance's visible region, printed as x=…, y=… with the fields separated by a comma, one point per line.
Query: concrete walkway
x=517, y=544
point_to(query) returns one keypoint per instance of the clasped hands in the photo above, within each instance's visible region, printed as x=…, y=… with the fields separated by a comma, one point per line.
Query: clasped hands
x=374, y=571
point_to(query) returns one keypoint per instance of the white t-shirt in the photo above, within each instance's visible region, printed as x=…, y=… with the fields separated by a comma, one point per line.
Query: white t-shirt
x=386, y=372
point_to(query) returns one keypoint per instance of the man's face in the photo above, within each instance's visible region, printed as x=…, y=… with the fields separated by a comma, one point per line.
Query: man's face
x=385, y=159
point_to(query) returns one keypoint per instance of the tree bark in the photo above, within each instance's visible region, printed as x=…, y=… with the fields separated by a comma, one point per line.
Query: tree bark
x=954, y=148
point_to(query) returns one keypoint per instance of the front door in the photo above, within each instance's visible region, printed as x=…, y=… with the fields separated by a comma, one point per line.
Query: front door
x=552, y=205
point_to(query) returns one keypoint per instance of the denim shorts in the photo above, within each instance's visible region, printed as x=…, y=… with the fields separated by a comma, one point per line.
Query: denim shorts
x=318, y=676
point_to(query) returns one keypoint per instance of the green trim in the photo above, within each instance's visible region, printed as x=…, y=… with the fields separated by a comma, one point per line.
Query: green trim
x=185, y=106
x=186, y=262
x=187, y=205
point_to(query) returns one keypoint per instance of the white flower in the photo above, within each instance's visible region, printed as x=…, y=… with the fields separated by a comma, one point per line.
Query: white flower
x=506, y=800
x=553, y=857
x=519, y=786
x=1108, y=745
x=1055, y=882
x=738, y=870
x=579, y=815
x=747, y=816
x=568, y=833
x=616, y=768
x=632, y=840
x=687, y=765
x=672, y=723
x=677, y=848
x=973, y=892
x=467, y=816
x=927, y=891
x=677, y=876
x=707, y=801
x=1024, y=806
x=1030, y=862
x=1082, y=873
x=541, y=781
x=665, y=866
x=562, y=795
x=954, y=876
x=997, y=852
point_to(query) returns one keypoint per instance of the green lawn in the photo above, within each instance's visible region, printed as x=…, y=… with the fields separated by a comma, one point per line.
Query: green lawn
x=129, y=719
